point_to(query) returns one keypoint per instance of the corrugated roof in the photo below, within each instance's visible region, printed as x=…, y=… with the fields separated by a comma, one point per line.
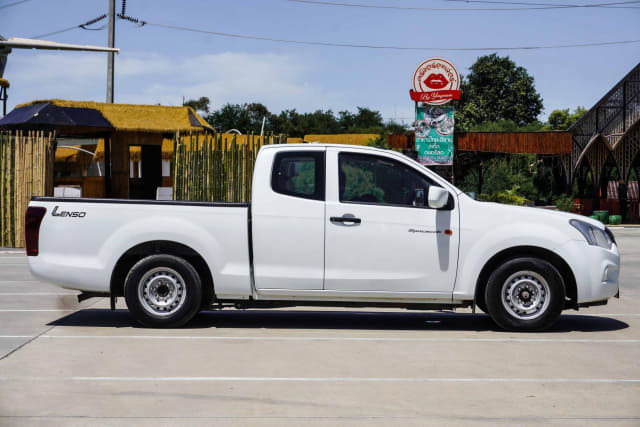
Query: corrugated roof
x=132, y=117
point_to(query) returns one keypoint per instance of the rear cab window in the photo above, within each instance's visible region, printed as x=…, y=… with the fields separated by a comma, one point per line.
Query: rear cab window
x=299, y=174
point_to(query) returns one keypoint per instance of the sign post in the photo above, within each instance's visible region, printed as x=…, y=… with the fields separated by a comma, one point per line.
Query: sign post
x=435, y=82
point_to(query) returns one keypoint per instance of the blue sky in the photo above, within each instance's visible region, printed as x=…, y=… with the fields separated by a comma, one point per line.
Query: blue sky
x=158, y=65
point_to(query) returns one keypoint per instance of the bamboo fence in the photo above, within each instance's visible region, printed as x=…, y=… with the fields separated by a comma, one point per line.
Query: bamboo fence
x=26, y=169
x=213, y=167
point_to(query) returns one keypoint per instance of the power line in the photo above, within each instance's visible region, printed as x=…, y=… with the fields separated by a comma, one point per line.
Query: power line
x=388, y=47
x=612, y=5
x=15, y=3
x=464, y=9
x=41, y=36
x=82, y=26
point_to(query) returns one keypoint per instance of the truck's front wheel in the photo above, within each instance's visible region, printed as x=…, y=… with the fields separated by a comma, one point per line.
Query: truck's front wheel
x=525, y=294
x=163, y=291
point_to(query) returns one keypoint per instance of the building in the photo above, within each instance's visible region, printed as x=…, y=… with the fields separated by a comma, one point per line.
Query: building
x=107, y=150
x=605, y=155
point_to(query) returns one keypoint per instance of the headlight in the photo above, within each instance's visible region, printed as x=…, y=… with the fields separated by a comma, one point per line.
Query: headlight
x=594, y=235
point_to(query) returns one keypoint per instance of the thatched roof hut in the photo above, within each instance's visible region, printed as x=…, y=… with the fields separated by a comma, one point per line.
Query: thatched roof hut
x=124, y=128
x=119, y=117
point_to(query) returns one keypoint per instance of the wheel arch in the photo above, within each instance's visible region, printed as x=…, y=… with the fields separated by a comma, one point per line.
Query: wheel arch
x=156, y=247
x=571, y=289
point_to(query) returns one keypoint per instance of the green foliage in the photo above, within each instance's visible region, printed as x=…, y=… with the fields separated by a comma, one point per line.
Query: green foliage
x=494, y=90
x=507, y=126
x=516, y=171
x=305, y=179
x=200, y=105
x=507, y=197
x=563, y=119
x=564, y=203
x=362, y=183
x=248, y=118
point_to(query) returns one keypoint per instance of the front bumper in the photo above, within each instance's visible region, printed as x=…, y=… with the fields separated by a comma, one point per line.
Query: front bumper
x=595, y=269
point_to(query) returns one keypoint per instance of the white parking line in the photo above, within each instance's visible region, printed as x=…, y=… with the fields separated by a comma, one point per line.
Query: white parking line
x=28, y=311
x=3, y=294
x=610, y=314
x=325, y=338
x=329, y=379
x=3, y=282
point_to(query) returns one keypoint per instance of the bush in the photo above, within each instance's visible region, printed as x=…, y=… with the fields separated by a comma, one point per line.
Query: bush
x=564, y=203
x=507, y=197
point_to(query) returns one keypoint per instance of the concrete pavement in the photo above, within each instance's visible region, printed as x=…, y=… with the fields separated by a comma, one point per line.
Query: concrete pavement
x=66, y=363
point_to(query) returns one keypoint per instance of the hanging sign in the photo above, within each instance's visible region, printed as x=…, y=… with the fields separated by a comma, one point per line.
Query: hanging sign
x=434, y=135
x=436, y=81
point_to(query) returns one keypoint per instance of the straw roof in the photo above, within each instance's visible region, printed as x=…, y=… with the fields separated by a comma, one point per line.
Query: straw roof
x=4, y=83
x=343, y=138
x=139, y=118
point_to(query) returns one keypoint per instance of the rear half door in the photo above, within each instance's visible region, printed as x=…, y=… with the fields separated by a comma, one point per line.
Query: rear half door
x=288, y=219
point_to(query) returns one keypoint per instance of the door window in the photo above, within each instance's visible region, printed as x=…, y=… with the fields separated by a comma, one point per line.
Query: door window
x=299, y=174
x=379, y=180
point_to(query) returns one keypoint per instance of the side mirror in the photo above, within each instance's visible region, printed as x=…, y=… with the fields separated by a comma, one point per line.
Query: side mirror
x=419, y=198
x=438, y=197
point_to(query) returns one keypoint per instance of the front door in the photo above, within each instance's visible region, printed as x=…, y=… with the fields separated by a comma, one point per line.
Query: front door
x=379, y=239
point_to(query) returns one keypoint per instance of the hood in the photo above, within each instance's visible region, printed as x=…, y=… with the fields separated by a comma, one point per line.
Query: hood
x=512, y=213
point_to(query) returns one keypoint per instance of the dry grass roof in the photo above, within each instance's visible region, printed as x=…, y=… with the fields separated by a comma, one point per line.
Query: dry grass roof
x=4, y=83
x=139, y=118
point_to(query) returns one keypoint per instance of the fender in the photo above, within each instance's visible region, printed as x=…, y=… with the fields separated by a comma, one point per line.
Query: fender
x=187, y=233
x=477, y=248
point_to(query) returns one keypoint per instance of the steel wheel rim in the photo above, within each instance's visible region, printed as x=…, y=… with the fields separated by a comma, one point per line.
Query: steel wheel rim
x=162, y=291
x=525, y=295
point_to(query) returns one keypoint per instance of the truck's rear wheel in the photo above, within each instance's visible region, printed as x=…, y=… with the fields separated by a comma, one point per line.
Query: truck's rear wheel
x=163, y=291
x=525, y=294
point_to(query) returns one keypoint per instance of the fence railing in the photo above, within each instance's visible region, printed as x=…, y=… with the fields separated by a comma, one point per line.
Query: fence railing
x=26, y=169
x=213, y=167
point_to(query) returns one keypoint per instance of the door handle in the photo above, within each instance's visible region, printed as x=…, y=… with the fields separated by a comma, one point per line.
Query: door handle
x=343, y=219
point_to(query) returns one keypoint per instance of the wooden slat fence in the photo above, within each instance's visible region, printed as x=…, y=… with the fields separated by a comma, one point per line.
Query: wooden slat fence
x=26, y=169
x=212, y=168
x=552, y=142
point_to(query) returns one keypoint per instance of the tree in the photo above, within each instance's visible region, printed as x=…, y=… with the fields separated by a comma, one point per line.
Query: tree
x=367, y=119
x=243, y=117
x=562, y=119
x=249, y=117
x=200, y=105
x=497, y=89
x=230, y=116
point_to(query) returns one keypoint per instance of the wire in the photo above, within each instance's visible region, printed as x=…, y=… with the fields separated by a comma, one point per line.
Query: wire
x=368, y=46
x=15, y=3
x=612, y=5
x=458, y=9
x=41, y=36
x=83, y=26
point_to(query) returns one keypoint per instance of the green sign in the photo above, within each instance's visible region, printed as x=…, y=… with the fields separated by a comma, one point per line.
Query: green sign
x=434, y=135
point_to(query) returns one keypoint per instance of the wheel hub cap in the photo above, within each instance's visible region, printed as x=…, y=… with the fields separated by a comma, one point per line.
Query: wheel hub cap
x=162, y=291
x=525, y=295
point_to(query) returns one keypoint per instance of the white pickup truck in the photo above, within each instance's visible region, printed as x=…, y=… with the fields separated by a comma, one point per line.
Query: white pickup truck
x=328, y=225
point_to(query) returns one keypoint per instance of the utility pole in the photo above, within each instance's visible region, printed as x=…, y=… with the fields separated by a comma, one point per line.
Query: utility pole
x=110, y=57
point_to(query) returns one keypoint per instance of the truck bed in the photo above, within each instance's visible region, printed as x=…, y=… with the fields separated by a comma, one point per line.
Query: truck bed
x=89, y=236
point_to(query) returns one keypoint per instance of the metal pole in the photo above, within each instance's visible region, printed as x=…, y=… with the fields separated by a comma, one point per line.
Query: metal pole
x=110, y=57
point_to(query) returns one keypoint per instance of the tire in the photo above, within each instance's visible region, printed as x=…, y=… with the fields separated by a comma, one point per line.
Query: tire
x=525, y=294
x=163, y=291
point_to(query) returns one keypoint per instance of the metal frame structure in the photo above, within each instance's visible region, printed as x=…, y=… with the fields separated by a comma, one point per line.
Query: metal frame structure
x=609, y=134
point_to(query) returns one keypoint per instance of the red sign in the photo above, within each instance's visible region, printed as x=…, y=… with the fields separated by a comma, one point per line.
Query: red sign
x=436, y=81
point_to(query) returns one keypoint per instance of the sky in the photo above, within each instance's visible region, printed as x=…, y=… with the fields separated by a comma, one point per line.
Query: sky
x=162, y=65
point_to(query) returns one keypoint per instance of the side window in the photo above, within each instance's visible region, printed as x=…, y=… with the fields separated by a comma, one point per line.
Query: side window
x=378, y=180
x=299, y=174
